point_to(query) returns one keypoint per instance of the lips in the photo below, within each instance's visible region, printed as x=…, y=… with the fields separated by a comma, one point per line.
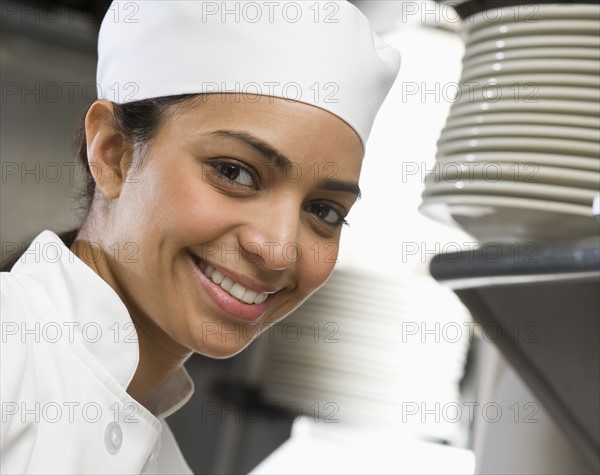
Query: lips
x=229, y=294
x=235, y=289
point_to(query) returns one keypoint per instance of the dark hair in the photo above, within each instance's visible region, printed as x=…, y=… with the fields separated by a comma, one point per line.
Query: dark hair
x=138, y=122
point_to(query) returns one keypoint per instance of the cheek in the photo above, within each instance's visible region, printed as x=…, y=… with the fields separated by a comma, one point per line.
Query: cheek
x=317, y=263
x=178, y=207
x=196, y=217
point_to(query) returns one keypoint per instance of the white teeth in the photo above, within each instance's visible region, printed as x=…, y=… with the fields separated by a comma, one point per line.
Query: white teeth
x=208, y=270
x=226, y=284
x=236, y=290
x=260, y=298
x=249, y=296
x=217, y=277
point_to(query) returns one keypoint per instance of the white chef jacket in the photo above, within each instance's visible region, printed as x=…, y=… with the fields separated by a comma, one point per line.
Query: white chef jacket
x=69, y=352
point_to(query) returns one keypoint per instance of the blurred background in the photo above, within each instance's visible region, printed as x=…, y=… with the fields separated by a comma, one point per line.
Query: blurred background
x=384, y=369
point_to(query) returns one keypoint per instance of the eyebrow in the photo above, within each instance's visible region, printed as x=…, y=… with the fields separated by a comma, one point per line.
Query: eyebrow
x=281, y=161
x=338, y=185
x=262, y=147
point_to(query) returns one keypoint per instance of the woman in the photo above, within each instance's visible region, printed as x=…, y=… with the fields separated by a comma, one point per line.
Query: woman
x=223, y=155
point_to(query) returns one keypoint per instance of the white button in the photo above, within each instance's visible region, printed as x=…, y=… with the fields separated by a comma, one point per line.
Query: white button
x=113, y=437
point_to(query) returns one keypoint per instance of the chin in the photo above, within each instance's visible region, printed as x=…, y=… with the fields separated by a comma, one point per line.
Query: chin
x=221, y=352
x=222, y=345
x=224, y=339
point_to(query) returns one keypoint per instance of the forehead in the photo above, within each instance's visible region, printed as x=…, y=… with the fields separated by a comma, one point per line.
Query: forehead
x=300, y=131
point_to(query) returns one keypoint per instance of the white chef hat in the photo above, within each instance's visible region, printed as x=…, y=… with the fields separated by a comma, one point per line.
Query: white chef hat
x=321, y=53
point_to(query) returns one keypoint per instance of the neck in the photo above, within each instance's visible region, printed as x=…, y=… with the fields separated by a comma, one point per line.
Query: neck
x=160, y=356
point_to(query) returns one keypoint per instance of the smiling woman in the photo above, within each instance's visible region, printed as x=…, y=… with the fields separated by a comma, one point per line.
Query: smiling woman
x=214, y=212
x=212, y=193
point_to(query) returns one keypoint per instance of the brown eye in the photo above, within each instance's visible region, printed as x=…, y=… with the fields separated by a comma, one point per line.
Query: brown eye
x=230, y=171
x=235, y=173
x=326, y=213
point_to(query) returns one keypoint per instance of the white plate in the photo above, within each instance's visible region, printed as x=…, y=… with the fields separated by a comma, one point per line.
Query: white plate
x=337, y=375
x=537, y=41
x=510, y=220
x=546, y=27
x=525, y=92
x=460, y=170
x=555, y=106
x=389, y=361
x=387, y=364
x=555, y=131
x=532, y=144
x=563, y=194
x=324, y=387
x=546, y=159
x=532, y=66
x=530, y=53
x=525, y=118
x=542, y=79
x=528, y=13
x=353, y=323
x=319, y=370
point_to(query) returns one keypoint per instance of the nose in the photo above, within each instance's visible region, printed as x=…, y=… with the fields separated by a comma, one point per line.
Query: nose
x=270, y=236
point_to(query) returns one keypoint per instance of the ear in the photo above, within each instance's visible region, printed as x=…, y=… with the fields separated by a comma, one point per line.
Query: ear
x=109, y=155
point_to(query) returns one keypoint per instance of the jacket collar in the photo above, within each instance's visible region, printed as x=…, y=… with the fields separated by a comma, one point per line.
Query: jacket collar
x=93, y=315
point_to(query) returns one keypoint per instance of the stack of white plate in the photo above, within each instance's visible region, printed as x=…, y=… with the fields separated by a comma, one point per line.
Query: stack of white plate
x=519, y=157
x=370, y=351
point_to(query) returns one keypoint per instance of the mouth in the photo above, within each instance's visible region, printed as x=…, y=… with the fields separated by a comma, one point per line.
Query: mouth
x=230, y=295
x=235, y=289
